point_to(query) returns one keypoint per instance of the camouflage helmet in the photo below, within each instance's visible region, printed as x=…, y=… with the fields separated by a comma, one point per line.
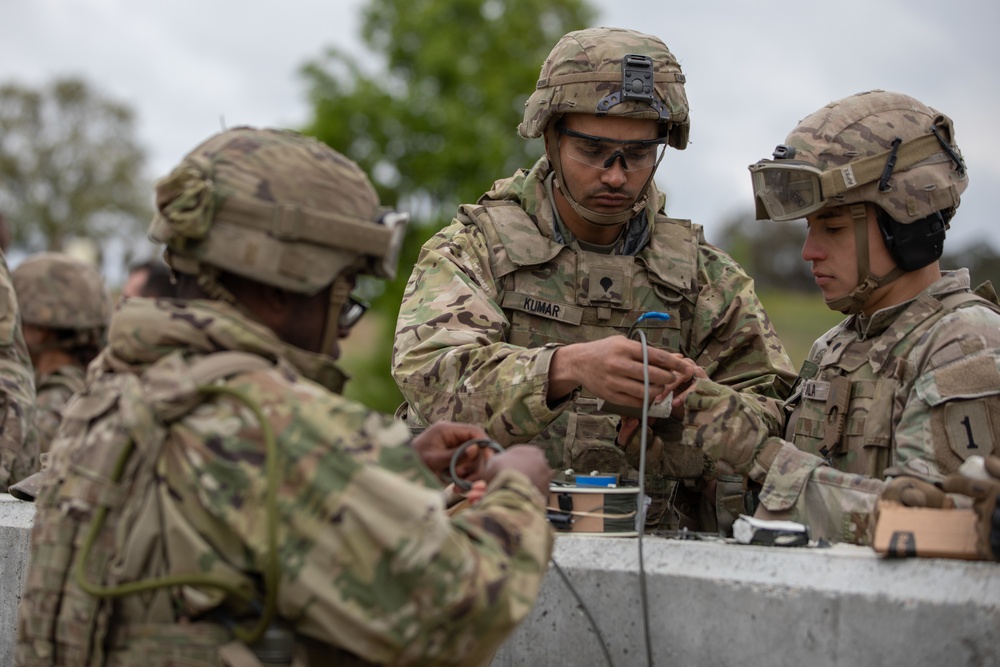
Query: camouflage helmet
x=610, y=71
x=852, y=142
x=275, y=207
x=880, y=148
x=57, y=291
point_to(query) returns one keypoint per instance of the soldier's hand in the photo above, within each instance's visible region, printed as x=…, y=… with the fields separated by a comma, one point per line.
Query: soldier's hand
x=718, y=421
x=663, y=458
x=437, y=444
x=986, y=495
x=526, y=459
x=612, y=369
x=913, y=492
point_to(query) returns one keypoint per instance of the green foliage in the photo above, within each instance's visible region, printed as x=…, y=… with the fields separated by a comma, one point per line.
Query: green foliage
x=771, y=252
x=981, y=259
x=69, y=166
x=432, y=116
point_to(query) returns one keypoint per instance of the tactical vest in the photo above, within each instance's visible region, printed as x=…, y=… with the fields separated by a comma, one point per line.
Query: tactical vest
x=101, y=518
x=843, y=406
x=551, y=293
x=53, y=391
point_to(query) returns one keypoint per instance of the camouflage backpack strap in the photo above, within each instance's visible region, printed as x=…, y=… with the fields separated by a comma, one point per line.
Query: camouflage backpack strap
x=208, y=369
x=75, y=383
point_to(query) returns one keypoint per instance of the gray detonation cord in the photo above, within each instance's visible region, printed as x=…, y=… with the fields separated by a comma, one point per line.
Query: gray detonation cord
x=640, y=519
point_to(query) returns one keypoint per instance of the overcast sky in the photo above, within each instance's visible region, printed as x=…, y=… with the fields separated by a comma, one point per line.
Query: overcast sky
x=754, y=68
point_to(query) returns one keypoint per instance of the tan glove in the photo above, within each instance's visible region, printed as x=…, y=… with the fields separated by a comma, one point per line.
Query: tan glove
x=665, y=457
x=718, y=420
x=985, y=493
x=914, y=492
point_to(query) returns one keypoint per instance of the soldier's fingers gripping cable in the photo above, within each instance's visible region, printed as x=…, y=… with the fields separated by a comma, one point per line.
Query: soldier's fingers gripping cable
x=483, y=445
x=442, y=446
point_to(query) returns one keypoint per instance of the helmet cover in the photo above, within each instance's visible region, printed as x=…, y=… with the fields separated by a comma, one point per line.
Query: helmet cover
x=57, y=291
x=585, y=72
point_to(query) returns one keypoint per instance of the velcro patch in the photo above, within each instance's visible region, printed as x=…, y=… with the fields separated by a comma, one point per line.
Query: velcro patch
x=607, y=285
x=968, y=426
x=532, y=304
x=973, y=376
x=817, y=390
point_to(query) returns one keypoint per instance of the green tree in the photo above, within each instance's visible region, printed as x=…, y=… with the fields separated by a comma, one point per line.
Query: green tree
x=430, y=112
x=69, y=166
x=771, y=252
x=981, y=259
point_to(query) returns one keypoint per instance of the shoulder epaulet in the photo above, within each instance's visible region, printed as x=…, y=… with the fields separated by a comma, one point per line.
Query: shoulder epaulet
x=987, y=291
x=983, y=295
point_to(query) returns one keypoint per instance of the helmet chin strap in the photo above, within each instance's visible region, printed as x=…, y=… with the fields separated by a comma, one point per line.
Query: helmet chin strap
x=593, y=217
x=339, y=293
x=854, y=301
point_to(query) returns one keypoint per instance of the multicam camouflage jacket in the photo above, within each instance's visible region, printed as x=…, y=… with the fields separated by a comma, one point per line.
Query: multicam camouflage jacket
x=163, y=468
x=18, y=439
x=914, y=390
x=54, y=391
x=493, y=295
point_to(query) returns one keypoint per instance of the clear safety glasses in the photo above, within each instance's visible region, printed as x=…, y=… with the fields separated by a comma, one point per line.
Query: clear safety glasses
x=351, y=312
x=789, y=190
x=601, y=152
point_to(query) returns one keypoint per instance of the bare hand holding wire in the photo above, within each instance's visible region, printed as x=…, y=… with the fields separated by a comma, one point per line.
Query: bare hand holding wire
x=439, y=442
x=612, y=369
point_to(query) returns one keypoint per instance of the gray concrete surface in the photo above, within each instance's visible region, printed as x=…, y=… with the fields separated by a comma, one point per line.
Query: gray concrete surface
x=727, y=604
x=709, y=604
x=15, y=534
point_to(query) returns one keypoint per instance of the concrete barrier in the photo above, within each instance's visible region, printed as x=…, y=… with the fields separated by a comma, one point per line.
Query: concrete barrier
x=710, y=603
x=15, y=541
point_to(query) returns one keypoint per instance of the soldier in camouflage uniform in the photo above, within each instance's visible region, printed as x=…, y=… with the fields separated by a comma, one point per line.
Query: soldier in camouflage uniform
x=515, y=315
x=18, y=440
x=212, y=500
x=64, y=310
x=908, y=386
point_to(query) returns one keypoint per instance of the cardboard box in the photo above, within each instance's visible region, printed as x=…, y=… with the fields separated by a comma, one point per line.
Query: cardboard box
x=904, y=532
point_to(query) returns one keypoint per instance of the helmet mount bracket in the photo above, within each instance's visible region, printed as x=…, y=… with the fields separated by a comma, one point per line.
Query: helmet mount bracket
x=637, y=86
